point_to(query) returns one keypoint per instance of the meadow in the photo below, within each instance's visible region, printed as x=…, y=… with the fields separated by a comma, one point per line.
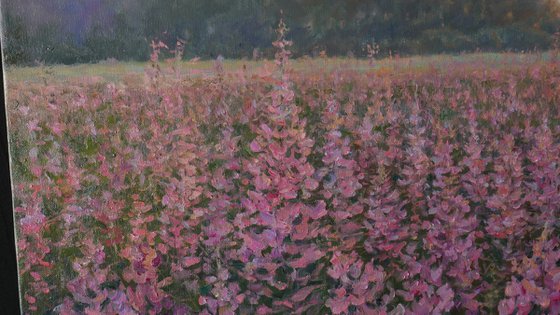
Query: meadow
x=117, y=71
x=422, y=185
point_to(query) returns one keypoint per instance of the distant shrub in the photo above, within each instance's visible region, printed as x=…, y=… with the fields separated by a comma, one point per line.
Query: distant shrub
x=444, y=41
x=516, y=37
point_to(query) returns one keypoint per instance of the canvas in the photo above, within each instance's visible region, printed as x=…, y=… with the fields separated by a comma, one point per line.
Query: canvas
x=284, y=157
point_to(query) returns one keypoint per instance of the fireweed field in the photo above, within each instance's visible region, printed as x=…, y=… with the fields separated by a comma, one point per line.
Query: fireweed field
x=290, y=192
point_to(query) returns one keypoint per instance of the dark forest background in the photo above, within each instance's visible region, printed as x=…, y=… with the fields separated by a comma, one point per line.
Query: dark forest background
x=80, y=31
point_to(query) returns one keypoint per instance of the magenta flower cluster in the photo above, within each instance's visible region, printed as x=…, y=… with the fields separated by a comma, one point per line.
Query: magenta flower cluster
x=276, y=192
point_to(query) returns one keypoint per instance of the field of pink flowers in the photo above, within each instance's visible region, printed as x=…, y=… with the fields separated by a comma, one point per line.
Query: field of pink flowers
x=286, y=193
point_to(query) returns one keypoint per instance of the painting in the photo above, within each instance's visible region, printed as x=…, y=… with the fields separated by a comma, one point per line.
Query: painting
x=284, y=157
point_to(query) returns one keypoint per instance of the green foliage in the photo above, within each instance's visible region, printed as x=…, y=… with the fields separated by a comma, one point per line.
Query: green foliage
x=235, y=28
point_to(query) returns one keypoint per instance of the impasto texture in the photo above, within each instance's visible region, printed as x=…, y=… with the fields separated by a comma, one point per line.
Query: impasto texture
x=403, y=185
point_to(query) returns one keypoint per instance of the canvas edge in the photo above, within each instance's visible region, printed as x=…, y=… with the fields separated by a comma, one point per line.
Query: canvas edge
x=12, y=285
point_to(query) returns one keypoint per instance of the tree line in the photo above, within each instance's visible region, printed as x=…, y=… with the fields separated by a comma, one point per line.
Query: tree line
x=70, y=31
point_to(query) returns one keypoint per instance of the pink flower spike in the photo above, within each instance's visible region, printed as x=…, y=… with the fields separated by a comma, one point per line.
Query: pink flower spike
x=191, y=261
x=255, y=146
x=311, y=184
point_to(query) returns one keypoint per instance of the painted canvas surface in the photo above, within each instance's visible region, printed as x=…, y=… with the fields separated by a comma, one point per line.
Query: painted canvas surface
x=285, y=157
